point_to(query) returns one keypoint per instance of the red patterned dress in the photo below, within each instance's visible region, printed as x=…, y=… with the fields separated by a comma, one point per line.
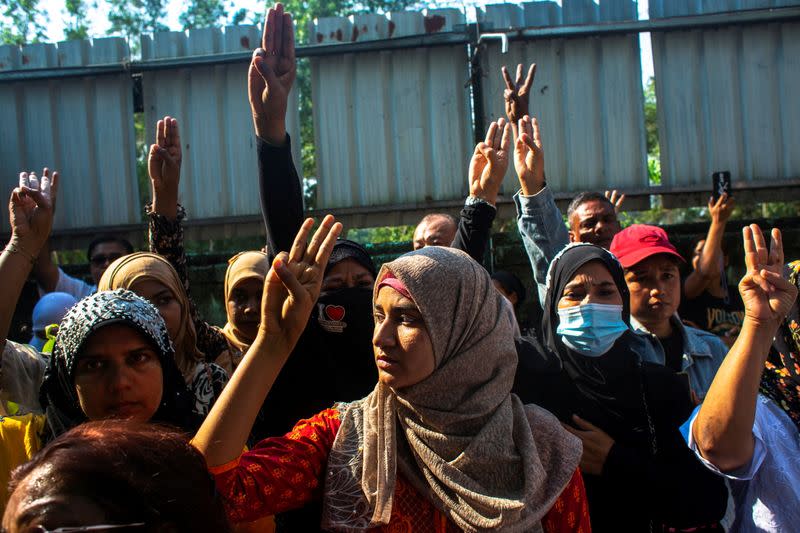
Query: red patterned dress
x=283, y=473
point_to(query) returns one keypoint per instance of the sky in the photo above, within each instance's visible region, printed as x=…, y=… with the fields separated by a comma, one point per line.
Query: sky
x=99, y=20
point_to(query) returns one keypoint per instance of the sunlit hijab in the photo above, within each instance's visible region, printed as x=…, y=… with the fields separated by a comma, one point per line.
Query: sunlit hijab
x=142, y=266
x=513, y=460
x=242, y=266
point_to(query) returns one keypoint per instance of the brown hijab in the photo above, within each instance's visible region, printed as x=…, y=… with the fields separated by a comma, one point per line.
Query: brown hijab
x=244, y=265
x=140, y=266
x=459, y=436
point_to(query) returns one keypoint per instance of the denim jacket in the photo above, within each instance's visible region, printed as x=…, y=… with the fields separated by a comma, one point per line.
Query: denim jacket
x=703, y=353
x=543, y=231
x=544, y=234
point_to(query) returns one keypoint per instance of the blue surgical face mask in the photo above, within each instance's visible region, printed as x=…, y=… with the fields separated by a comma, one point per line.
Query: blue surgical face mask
x=591, y=329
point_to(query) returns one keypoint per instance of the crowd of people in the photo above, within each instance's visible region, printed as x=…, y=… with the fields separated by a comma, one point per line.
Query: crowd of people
x=340, y=396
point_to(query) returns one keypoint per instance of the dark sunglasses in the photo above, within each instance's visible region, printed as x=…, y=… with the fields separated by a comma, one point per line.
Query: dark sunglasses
x=101, y=259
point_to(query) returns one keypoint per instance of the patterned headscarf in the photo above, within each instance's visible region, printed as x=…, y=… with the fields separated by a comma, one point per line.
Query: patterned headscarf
x=58, y=394
x=780, y=379
x=458, y=436
x=140, y=266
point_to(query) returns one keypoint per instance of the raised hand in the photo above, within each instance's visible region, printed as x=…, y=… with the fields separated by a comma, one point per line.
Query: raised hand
x=529, y=156
x=271, y=75
x=517, y=93
x=490, y=161
x=721, y=209
x=164, y=167
x=31, y=210
x=293, y=284
x=616, y=199
x=767, y=295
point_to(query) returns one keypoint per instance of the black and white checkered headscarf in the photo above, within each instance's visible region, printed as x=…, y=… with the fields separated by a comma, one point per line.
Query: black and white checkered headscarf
x=101, y=309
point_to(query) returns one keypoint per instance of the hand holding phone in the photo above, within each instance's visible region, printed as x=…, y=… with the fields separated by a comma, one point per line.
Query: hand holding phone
x=721, y=183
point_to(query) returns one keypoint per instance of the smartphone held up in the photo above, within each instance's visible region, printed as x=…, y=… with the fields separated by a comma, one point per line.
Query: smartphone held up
x=721, y=183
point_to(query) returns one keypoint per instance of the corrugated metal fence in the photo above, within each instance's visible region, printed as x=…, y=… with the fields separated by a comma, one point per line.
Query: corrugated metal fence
x=587, y=93
x=399, y=100
x=392, y=127
x=726, y=97
x=219, y=175
x=82, y=126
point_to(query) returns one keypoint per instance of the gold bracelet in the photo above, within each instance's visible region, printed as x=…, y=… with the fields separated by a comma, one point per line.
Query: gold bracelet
x=13, y=248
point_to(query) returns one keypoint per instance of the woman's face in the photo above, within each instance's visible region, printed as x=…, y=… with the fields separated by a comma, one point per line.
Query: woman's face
x=402, y=345
x=164, y=300
x=591, y=284
x=244, y=306
x=118, y=375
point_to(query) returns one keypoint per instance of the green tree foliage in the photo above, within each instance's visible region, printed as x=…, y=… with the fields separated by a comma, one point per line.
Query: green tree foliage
x=132, y=18
x=651, y=117
x=380, y=235
x=239, y=17
x=21, y=22
x=651, y=131
x=203, y=14
x=75, y=26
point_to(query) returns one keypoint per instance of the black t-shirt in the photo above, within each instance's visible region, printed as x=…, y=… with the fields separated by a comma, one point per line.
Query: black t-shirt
x=713, y=314
x=673, y=350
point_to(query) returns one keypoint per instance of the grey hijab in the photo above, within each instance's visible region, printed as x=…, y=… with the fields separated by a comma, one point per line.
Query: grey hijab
x=459, y=436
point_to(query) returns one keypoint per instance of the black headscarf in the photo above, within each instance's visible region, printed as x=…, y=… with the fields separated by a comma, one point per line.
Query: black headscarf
x=640, y=405
x=347, y=249
x=609, y=388
x=57, y=393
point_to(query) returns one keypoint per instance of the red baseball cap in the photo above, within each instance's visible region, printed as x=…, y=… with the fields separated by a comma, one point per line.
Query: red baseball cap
x=638, y=242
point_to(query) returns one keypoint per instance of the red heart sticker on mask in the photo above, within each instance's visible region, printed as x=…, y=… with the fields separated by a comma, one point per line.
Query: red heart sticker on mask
x=334, y=312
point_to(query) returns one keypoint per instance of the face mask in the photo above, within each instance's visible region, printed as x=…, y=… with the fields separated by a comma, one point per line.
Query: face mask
x=591, y=329
x=342, y=327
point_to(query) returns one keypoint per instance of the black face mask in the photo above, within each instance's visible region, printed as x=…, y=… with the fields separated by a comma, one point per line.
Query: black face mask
x=343, y=324
x=332, y=362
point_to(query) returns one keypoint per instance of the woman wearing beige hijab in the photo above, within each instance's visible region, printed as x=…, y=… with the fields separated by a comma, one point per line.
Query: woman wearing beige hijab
x=440, y=444
x=244, y=284
x=152, y=277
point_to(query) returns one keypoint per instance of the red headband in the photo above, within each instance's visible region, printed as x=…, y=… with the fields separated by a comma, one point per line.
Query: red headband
x=390, y=281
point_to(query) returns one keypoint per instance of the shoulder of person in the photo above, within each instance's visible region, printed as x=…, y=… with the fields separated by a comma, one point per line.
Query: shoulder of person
x=699, y=338
x=771, y=421
x=21, y=372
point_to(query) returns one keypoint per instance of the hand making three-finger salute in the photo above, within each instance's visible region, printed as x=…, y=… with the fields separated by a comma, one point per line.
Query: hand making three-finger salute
x=490, y=161
x=164, y=167
x=529, y=156
x=271, y=75
x=517, y=94
x=723, y=428
x=31, y=209
x=766, y=294
x=290, y=289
